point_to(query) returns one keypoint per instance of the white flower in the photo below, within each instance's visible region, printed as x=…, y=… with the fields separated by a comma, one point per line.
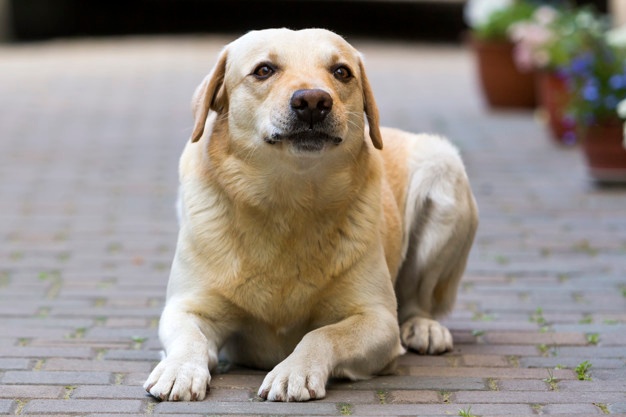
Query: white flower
x=621, y=112
x=477, y=12
x=617, y=37
x=621, y=109
x=544, y=15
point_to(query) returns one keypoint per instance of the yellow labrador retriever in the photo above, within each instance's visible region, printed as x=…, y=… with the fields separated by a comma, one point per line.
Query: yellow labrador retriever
x=304, y=247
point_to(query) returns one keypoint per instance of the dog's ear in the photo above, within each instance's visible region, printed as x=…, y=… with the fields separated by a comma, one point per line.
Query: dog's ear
x=210, y=95
x=371, y=110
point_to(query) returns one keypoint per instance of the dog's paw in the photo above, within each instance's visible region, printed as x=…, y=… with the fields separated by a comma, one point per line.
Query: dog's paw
x=293, y=382
x=174, y=380
x=425, y=336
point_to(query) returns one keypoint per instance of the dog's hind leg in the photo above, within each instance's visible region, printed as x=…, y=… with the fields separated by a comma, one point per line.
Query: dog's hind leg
x=441, y=218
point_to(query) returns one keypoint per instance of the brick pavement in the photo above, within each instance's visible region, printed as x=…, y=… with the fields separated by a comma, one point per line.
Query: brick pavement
x=91, y=133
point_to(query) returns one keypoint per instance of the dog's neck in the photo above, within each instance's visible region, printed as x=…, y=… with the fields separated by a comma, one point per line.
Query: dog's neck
x=288, y=183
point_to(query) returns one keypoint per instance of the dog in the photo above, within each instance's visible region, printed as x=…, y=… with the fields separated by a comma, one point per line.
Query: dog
x=305, y=246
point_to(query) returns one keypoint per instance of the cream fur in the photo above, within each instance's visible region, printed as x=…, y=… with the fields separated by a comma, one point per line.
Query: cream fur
x=287, y=258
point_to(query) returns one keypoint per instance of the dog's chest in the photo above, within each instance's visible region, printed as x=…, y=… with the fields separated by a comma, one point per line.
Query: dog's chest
x=282, y=275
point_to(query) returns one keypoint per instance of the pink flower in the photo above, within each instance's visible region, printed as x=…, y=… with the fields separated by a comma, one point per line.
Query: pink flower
x=529, y=38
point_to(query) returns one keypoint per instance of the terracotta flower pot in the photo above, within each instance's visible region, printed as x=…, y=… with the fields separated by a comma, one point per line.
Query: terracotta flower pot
x=554, y=98
x=503, y=85
x=603, y=148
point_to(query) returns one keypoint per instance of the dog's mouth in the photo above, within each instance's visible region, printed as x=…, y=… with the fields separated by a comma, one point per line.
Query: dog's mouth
x=305, y=140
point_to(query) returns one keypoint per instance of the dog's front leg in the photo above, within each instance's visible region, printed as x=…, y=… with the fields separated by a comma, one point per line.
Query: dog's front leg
x=191, y=347
x=356, y=347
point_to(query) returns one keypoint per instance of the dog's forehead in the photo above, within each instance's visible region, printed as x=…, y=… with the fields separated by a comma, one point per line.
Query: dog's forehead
x=283, y=44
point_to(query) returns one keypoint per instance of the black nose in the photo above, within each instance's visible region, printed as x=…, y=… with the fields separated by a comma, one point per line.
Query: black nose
x=311, y=106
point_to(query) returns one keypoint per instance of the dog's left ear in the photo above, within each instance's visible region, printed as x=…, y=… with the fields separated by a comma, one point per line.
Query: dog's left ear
x=371, y=110
x=209, y=95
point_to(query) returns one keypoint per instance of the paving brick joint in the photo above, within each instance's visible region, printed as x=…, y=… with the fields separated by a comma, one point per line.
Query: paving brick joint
x=91, y=134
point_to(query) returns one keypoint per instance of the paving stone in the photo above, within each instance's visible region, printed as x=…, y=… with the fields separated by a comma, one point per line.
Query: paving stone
x=568, y=362
x=538, y=397
x=536, y=338
x=496, y=372
x=60, y=364
x=309, y=408
x=132, y=355
x=414, y=383
x=232, y=380
x=440, y=409
x=523, y=384
x=6, y=406
x=55, y=378
x=485, y=360
x=82, y=406
x=88, y=230
x=10, y=363
x=571, y=409
x=30, y=391
x=108, y=391
x=614, y=385
x=411, y=397
x=37, y=352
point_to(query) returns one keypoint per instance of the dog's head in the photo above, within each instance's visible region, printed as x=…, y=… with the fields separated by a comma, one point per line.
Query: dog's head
x=303, y=91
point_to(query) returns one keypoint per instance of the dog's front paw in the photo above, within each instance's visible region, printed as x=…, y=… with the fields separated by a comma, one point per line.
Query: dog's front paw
x=293, y=382
x=175, y=380
x=425, y=336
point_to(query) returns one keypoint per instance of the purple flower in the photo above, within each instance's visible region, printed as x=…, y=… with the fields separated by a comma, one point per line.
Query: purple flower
x=581, y=64
x=610, y=102
x=617, y=81
x=569, y=137
x=590, y=91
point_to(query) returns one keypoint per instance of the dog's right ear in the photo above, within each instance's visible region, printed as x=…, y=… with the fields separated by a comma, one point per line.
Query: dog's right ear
x=371, y=110
x=210, y=95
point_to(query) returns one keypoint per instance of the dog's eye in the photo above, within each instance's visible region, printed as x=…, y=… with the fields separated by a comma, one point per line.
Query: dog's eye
x=342, y=73
x=263, y=71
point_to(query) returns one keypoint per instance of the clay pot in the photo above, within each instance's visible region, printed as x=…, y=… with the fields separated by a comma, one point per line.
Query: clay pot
x=603, y=148
x=503, y=85
x=554, y=98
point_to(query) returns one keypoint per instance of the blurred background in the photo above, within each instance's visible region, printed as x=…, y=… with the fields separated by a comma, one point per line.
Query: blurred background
x=432, y=20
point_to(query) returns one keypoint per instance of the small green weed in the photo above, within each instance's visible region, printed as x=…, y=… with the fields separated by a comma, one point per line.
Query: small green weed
x=345, y=409
x=593, y=338
x=603, y=408
x=552, y=381
x=584, y=246
x=480, y=316
x=547, y=350
x=582, y=371
x=382, y=396
x=466, y=412
x=138, y=341
x=502, y=260
x=445, y=397
x=537, y=317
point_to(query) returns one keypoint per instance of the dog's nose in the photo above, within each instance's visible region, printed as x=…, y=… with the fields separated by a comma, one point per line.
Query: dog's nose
x=311, y=106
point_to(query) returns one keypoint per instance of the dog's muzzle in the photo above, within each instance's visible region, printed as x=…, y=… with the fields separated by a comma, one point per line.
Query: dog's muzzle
x=309, y=127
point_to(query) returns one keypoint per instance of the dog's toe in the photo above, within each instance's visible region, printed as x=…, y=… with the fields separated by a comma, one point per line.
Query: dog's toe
x=288, y=383
x=176, y=381
x=425, y=336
